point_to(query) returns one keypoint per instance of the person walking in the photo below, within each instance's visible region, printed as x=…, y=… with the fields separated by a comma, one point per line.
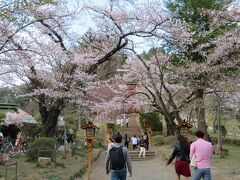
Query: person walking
x=134, y=142
x=181, y=152
x=110, y=144
x=126, y=140
x=122, y=121
x=118, y=160
x=145, y=137
x=1, y=148
x=142, y=144
x=118, y=124
x=126, y=122
x=203, y=151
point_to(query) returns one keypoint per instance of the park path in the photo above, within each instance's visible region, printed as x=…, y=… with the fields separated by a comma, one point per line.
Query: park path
x=153, y=169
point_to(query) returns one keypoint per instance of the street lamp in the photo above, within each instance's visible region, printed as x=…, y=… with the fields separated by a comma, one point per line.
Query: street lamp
x=90, y=135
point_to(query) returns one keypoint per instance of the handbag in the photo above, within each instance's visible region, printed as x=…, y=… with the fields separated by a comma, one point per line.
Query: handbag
x=193, y=161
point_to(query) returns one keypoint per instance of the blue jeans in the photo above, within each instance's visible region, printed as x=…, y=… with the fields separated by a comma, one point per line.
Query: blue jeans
x=201, y=173
x=119, y=174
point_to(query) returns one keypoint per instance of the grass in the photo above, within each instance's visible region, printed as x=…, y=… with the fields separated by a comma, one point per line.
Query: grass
x=230, y=162
x=64, y=169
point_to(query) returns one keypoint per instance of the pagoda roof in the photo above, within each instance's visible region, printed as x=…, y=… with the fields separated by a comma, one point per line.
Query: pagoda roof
x=89, y=125
x=184, y=124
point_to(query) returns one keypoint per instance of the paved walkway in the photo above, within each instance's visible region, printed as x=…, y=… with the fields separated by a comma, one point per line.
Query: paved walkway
x=142, y=170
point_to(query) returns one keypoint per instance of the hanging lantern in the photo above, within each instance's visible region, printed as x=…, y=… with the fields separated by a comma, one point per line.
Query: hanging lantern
x=183, y=129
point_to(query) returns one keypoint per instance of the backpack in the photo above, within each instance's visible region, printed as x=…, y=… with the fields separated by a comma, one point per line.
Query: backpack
x=117, y=161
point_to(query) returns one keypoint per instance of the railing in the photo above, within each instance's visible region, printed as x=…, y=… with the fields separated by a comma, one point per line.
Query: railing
x=11, y=164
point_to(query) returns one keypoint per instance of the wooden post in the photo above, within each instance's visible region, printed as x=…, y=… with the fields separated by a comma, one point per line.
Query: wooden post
x=16, y=172
x=89, y=158
x=16, y=169
x=149, y=137
x=90, y=134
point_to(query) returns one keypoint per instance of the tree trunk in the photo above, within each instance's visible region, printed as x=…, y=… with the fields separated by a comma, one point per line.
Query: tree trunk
x=50, y=123
x=214, y=124
x=171, y=126
x=201, y=113
x=219, y=127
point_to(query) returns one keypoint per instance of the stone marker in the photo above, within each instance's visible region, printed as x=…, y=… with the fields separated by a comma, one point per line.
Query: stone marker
x=44, y=161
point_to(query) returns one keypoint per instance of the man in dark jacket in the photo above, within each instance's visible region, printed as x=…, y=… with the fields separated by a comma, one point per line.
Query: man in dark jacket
x=118, y=173
x=143, y=145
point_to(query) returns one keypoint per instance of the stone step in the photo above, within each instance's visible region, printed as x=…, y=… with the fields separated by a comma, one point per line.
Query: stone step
x=148, y=155
x=131, y=133
x=137, y=152
x=141, y=158
x=130, y=129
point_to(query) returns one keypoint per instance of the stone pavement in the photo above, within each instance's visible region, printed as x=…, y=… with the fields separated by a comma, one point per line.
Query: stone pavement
x=142, y=170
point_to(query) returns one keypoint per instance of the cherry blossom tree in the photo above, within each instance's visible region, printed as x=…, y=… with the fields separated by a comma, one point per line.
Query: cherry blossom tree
x=14, y=118
x=194, y=53
x=157, y=87
x=57, y=65
x=212, y=58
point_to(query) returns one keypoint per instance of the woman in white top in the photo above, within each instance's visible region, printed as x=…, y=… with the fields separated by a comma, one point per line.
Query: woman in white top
x=110, y=144
x=134, y=142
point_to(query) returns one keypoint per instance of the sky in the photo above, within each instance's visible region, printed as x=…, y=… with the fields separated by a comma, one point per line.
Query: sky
x=82, y=24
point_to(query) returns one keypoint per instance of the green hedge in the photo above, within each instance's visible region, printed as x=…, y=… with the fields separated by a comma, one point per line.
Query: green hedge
x=43, y=143
x=157, y=140
x=229, y=141
x=170, y=140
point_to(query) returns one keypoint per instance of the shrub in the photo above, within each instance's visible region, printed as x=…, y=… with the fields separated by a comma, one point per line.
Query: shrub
x=229, y=141
x=152, y=120
x=43, y=143
x=2, y=117
x=157, y=140
x=155, y=133
x=98, y=145
x=170, y=140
